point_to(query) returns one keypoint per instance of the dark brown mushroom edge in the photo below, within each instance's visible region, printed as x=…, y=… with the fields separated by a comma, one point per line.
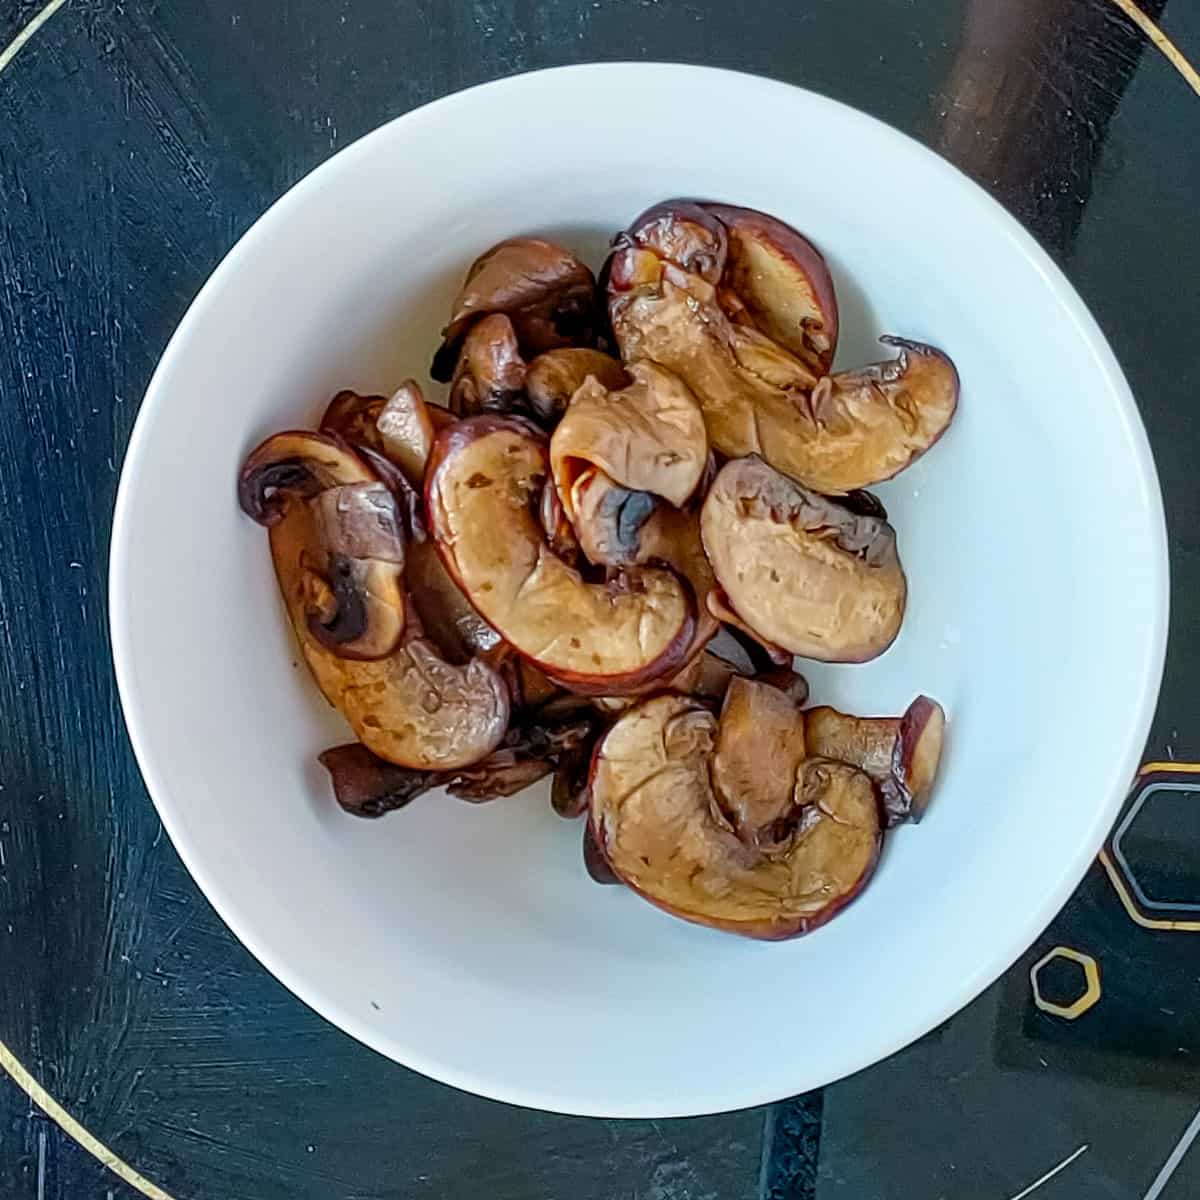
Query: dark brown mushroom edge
x=596, y=562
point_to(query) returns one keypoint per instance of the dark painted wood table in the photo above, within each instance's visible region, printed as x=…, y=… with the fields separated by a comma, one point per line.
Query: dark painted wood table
x=138, y=140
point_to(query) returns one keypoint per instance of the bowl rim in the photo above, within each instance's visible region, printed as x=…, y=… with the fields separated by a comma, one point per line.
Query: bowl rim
x=745, y=1093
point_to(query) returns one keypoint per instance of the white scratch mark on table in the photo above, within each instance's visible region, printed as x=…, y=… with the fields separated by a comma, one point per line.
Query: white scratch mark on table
x=14, y=47
x=1062, y=1166
x=1174, y=1159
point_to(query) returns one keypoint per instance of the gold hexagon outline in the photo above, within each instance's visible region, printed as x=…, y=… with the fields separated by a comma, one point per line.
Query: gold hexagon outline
x=1091, y=992
x=1117, y=877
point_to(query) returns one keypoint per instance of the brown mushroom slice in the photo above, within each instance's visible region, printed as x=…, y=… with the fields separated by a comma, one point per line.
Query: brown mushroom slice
x=901, y=754
x=800, y=569
x=707, y=676
x=783, y=282
x=411, y=708
x=739, y=376
x=874, y=421
x=354, y=573
x=401, y=428
x=364, y=785
x=407, y=425
x=490, y=375
x=554, y=377
x=655, y=823
x=351, y=416
x=833, y=434
x=532, y=749
x=685, y=233
x=447, y=616
x=538, y=689
x=759, y=746
x=483, y=487
x=672, y=536
x=295, y=465
x=547, y=292
x=569, y=789
x=502, y=773
x=351, y=576
x=648, y=437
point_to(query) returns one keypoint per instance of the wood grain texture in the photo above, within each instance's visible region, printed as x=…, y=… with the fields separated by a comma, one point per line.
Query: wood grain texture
x=138, y=140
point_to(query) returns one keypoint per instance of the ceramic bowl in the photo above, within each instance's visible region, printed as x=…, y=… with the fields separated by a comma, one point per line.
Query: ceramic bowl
x=467, y=942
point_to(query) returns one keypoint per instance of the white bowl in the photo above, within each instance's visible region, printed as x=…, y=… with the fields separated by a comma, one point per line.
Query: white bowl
x=467, y=942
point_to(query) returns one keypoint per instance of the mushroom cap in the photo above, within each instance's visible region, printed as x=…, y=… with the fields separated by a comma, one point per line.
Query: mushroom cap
x=656, y=822
x=351, y=575
x=483, y=497
x=800, y=569
x=295, y=464
x=546, y=291
x=411, y=708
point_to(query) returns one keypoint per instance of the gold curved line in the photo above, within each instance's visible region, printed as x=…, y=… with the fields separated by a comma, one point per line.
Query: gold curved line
x=1166, y=47
x=1135, y=914
x=1165, y=768
x=14, y=47
x=72, y=1128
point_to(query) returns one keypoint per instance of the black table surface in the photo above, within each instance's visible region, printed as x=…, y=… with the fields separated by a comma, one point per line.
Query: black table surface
x=144, y=1051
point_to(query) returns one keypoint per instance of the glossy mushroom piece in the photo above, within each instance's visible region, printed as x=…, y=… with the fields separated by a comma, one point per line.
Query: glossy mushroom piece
x=872, y=422
x=554, y=377
x=901, y=754
x=741, y=379
x=349, y=583
x=412, y=707
x=401, y=428
x=800, y=569
x=646, y=437
x=779, y=280
x=490, y=375
x=547, y=293
x=483, y=493
x=759, y=747
x=657, y=824
x=365, y=785
x=756, y=346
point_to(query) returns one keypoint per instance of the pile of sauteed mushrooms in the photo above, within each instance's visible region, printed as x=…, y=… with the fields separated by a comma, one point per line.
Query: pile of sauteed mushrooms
x=602, y=558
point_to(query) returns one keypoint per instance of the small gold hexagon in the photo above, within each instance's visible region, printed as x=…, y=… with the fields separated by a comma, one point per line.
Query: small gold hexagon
x=1091, y=977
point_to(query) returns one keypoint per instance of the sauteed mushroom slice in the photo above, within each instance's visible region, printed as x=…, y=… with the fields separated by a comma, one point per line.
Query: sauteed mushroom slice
x=901, y=754
x=547, y=293
x=800, y=569
x=483, y=498
x=656, y=823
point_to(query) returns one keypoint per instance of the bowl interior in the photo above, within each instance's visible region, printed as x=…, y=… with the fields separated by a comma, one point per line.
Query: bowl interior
x=467, y=942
